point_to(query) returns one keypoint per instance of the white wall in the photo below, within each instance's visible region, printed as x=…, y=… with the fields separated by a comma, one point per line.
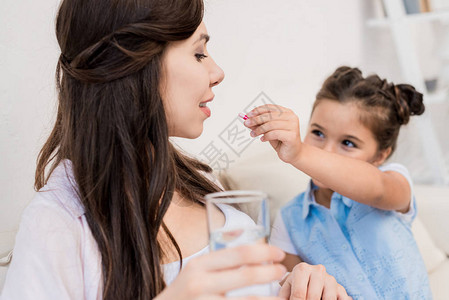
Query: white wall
x=28, y=54
x=283, y=48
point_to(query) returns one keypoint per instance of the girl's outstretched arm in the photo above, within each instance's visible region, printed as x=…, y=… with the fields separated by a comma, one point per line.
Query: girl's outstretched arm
x=356, y=179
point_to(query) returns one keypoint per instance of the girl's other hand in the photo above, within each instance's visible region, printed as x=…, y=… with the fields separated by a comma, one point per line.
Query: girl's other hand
x=279, y=126
x=312, y=282
x=211, y=276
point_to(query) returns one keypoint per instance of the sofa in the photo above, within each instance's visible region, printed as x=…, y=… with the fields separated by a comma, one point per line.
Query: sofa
x=262, y=170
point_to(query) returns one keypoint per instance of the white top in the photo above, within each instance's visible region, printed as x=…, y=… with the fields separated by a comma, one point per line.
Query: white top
x=233, y=219
x=55, y=255
x=279, y=234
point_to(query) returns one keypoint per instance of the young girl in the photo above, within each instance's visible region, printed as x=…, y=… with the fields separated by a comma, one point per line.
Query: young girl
x=119, y=210
x=355, y=216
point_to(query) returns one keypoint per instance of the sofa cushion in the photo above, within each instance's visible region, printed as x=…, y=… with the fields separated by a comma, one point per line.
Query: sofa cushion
x=433, y=209
x=6, y=244
x=433, y=256
x=439, y=281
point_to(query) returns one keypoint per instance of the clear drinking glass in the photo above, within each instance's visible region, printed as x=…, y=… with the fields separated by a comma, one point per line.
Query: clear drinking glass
x=254, y=227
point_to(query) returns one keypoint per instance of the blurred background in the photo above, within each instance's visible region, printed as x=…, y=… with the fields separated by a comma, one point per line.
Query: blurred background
x=283, y=49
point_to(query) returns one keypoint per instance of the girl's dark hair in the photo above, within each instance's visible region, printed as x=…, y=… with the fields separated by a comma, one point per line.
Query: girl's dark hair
x=386, y=106
x=111, y=125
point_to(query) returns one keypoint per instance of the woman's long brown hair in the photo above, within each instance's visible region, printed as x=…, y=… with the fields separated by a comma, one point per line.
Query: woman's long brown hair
x=112, y=126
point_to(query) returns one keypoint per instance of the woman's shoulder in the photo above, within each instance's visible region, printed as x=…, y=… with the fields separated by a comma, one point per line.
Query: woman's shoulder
x=235, y=217
x=59, y=197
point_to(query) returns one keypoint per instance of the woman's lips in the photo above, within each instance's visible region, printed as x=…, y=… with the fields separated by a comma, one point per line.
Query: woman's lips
x=206, y=110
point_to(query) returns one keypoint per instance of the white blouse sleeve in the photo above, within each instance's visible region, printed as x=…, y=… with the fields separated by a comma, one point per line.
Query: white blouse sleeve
x=46, y=262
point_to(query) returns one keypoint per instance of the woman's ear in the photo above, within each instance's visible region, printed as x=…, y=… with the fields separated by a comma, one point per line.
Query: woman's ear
x=381, y=156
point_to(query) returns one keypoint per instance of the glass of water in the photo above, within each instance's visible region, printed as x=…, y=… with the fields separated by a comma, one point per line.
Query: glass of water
x=247, y=221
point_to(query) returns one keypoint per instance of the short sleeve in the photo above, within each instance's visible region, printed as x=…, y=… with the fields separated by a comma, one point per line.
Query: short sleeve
x=46, y=262
x=410, y=215
x=279, y=236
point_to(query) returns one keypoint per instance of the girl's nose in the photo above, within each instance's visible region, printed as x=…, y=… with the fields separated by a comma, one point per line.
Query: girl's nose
x=329, y=147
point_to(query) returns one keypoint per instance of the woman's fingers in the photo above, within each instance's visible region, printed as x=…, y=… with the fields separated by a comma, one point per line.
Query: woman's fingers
x=239, y=256
x=218, y=272
x=246, y=276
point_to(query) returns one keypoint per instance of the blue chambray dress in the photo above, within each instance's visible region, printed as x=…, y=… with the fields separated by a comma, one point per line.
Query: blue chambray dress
x=370, y=252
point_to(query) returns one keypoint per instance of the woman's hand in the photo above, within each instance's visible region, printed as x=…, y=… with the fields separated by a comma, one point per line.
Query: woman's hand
x=279, y=126
x=311, y=282
x=211, y=276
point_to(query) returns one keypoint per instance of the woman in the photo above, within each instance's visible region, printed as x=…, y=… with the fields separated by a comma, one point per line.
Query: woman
x=119, y=204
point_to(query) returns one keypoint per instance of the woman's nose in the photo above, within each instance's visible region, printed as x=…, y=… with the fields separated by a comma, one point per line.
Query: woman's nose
x=216, y=74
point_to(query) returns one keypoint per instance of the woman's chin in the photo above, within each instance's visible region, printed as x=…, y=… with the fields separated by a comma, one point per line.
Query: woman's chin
x=191, y=134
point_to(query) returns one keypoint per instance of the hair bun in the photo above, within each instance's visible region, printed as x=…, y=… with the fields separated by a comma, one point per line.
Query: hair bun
x=409, y=102
x=347, y=76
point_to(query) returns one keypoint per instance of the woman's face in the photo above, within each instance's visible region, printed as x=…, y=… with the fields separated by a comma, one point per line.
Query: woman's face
x=188, y=75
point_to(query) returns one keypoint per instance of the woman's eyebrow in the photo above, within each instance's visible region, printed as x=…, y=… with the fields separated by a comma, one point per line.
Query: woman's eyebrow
x=203, y=36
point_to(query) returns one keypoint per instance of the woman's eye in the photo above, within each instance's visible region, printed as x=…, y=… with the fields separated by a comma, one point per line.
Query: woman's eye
x=200, y=56
x=349, y=144
x=317, y=133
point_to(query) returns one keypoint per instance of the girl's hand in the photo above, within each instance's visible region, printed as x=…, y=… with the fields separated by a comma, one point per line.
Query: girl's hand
x=279, y=126
x=311, y=282
x=211, y=276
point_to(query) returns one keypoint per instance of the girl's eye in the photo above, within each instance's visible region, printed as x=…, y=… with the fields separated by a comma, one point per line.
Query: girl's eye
x=200, y=56
x=317, y=133
x=349, y=144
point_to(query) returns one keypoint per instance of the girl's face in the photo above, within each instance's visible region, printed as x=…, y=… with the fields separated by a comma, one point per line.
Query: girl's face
x=188, y=75
x=336, y=127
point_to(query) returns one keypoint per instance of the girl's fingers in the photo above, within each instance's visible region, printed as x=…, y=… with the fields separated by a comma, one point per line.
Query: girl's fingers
x=330, y=291
x=238, y=256
x=285, y=290
x=316, y=284
x=342, y=294
x=278, y=135
x=245, y=276
x=255, y=298
x=299, y=281
x=269, y=126
x=211, y=297
x=267, y=108
x=269, y=117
